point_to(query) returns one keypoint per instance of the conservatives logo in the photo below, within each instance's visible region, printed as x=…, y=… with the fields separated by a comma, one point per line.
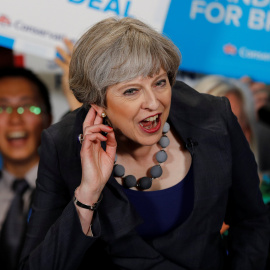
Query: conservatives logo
x=20, y=26
x=229, y=49
x=246, y=53
x=4, y=20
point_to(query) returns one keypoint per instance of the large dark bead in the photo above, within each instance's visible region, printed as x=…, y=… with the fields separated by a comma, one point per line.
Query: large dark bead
x=164, y=141
x=145, y=183
x=118, y=170
x=156, y=171
x=166, y=127
x=130, y=181
x=161, y=156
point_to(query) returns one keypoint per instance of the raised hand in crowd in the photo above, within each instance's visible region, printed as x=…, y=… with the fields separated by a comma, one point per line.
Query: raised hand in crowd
x=63, y=62
x=260, y=96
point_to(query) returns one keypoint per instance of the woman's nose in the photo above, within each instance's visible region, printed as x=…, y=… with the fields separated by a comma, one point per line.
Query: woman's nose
x=151, y=101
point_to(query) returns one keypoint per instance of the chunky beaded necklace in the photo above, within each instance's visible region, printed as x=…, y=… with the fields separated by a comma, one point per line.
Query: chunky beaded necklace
x=143, y=183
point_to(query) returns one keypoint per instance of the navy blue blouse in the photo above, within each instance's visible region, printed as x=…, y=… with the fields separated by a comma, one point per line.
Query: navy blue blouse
x=163, y=210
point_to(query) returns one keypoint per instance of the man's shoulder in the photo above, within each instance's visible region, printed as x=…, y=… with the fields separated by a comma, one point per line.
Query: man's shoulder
x=197, y=109
x=69, y=127
x=184, y=96
x=69, y=121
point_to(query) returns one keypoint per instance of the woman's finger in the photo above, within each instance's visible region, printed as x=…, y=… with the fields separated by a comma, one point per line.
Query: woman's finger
x=111, y=144
x=93, y=137
x=98, y=120
x=89, y=119
x=96, y=129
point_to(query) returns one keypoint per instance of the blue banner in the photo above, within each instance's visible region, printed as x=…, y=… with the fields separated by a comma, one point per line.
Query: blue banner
x=229, y=37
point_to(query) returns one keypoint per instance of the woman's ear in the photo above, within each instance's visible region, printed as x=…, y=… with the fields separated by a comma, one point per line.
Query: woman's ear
x=98, y=109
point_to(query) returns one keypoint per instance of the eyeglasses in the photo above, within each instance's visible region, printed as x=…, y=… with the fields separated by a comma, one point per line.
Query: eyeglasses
x=23, y=109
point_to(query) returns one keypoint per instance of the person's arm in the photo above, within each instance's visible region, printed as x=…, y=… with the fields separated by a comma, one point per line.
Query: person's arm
x=246, y=213
x=63, y=63
x=57, y=235
x=258, y=90
x=55, y=239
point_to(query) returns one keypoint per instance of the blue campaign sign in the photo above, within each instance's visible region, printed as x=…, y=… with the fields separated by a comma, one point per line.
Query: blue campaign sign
x=229, y=37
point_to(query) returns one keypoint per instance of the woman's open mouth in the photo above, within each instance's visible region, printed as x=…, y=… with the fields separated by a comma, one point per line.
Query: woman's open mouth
x=151, y=124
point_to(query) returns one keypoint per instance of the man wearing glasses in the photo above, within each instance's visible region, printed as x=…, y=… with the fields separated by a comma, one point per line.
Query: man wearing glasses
x=25, y=110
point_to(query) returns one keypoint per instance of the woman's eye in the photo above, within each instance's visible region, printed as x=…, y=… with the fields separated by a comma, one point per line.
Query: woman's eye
x=130, y=91
x=161, y=83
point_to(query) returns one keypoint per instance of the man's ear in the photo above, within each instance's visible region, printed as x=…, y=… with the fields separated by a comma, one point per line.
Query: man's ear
x=98, y=109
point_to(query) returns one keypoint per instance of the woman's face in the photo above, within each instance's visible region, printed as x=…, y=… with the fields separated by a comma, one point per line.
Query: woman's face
x=138, y=109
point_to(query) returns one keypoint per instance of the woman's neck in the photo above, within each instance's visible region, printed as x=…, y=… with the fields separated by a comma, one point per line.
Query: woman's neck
x=136, y=151
x=139, y=153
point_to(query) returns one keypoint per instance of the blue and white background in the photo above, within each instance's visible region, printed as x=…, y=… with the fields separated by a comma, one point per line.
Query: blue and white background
x=229, y=37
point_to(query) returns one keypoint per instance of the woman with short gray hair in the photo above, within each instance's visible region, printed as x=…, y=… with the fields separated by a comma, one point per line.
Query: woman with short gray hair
x=143, y=175
x=114, y=51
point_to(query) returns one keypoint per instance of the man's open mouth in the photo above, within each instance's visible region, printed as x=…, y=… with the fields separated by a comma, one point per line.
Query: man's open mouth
x=16, y=135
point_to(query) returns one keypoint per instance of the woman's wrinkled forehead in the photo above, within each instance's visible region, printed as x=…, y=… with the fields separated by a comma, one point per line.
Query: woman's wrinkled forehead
x=127, y=76
x=141, y=76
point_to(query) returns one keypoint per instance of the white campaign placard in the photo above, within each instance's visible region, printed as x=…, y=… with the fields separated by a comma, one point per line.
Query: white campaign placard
x=37, y=26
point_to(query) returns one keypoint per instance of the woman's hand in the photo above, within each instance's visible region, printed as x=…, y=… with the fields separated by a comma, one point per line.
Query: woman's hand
x=97, y=164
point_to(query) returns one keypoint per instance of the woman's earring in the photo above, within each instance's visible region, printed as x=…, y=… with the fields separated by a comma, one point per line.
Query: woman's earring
x=103, y=115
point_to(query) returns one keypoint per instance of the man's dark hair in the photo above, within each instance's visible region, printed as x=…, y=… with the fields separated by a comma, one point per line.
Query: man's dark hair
x=18, y=72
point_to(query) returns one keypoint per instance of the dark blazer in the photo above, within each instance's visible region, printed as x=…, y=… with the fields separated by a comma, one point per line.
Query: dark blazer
x=226, y=187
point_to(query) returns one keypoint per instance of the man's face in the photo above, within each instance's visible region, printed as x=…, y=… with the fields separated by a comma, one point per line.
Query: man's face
x=21, y=121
